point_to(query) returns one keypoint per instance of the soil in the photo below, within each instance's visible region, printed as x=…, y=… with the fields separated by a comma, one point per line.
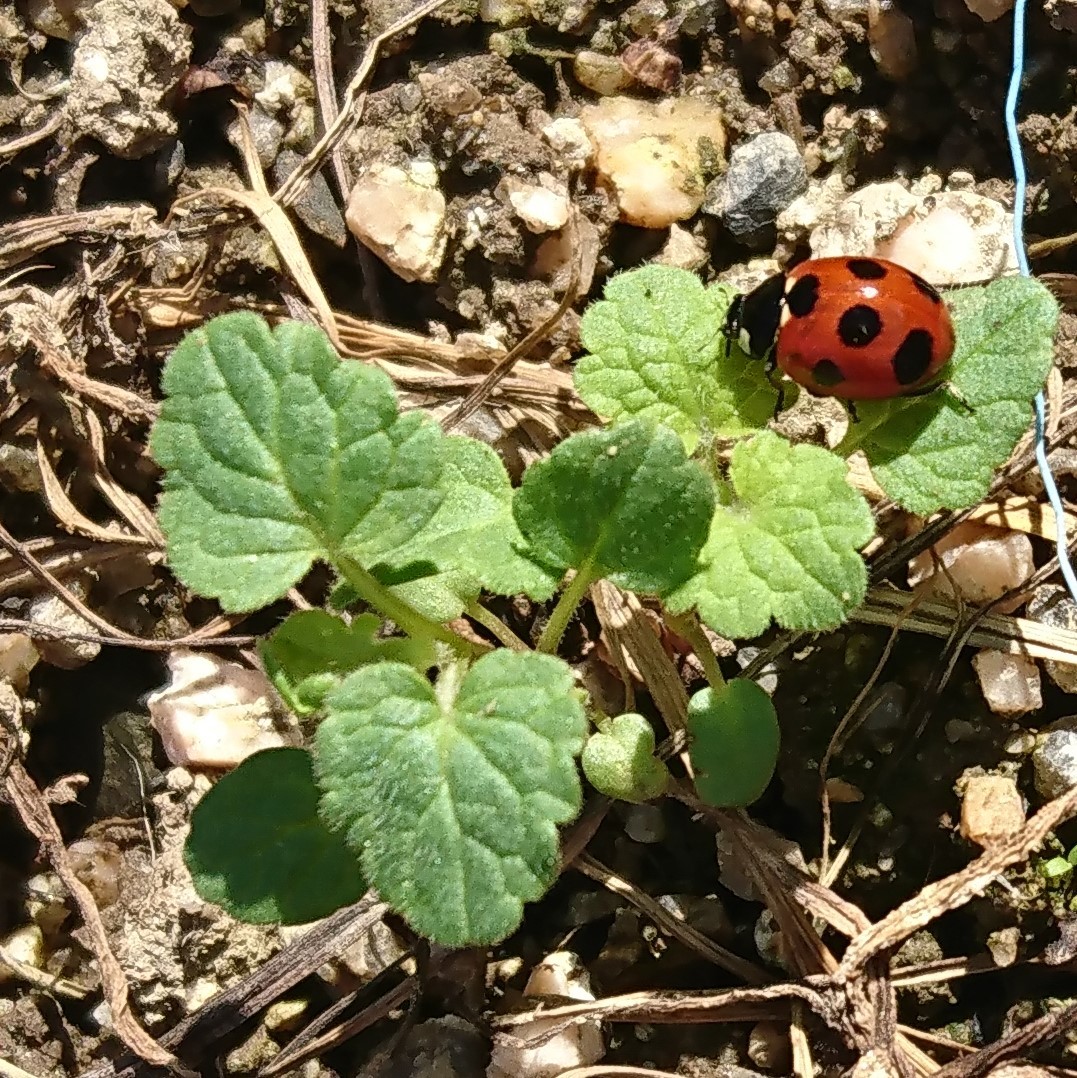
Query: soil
x=115, y=122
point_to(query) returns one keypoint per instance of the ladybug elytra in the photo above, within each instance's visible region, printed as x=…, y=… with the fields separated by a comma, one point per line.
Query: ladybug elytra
x=853, y=328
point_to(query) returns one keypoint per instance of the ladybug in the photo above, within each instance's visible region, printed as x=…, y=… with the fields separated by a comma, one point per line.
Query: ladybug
x=854, y=328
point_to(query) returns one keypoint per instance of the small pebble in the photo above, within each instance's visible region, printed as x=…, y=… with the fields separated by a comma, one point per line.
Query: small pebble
x=892, y=39
x=64, y=650
x=954, y=238
x=542, y=206
x=841, y=792
x=267, y=133
x=769, y=941
x=768, y=1046
x=213, y=713
x=19, y=469
x=682, y=250
x=46, y=902
x=989, y=10
x=1054, y=759
x=285, y=1015
x=1020, y=743
x=578, y=1045
x=400, y=215
x=656, y=156
x=603, y=74
x=568, y=139
x=764, y=175
x=1062, y=14
x=854, y=223
x=316, y=207
x=645, y=823
x=1010, y=683
x=449, y=94
x=98, y=863
x=123, y=71
x=25, y=944
x=983, y=563
x=767, y=678
x=991, y=809
x=1051, y=605
x=1004, y=945
x=58, y=19
x=18, y=657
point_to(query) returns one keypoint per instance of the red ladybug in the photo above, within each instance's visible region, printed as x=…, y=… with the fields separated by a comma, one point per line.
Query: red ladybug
x=854, y=328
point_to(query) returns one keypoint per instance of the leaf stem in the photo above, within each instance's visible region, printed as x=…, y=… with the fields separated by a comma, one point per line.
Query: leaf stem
x=496, y=627
x=688, y=626
x=410, y=620
x=566, y=606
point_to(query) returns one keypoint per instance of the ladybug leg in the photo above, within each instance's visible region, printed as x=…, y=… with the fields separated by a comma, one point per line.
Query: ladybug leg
x=770, y=367
x=852, y=411
x=948, y=390
x=954, y=397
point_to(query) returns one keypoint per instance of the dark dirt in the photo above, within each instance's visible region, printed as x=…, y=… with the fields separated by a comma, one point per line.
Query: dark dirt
x=474, y=95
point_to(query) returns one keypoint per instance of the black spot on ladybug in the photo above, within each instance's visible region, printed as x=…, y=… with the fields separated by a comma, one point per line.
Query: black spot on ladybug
x=925, y=289
x=803, y=295
x=859, y=325
x=866, y=269
x=913, y=357
x=827, y=373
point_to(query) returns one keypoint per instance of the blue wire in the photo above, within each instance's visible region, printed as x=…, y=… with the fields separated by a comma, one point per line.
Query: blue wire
x=1020, y=189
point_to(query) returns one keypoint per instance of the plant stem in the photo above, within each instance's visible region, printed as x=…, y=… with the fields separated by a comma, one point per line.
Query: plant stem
x=496, y=627
x=688, y=626
x=414, y=623
x=571, y=598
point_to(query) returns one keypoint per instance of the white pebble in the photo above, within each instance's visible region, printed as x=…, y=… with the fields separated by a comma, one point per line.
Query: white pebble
x=213, y=713
x=26, y=945
x=954, y=238
x=656, y=157
x=400, y=215
x=568, y=139
x=983, y=562
x=528, y=1051
x=543, y=206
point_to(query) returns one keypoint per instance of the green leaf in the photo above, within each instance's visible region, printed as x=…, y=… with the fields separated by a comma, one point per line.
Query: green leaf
x=276, y=454
x=1056, y=868
x=312, y=651
x=735, y=739
x=930, y=453
x=452, y=794
x=785, y=547
x=258, y=848
x=624, y=503
x=619, y=760
x=472, y=540
x=657, y=352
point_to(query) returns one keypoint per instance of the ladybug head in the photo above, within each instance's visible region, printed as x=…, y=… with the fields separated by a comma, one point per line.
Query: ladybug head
x=754, y=318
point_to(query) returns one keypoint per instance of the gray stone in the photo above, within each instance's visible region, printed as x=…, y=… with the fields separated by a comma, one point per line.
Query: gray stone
x=764, y=176
x=1054, y=759
x=317, y=208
